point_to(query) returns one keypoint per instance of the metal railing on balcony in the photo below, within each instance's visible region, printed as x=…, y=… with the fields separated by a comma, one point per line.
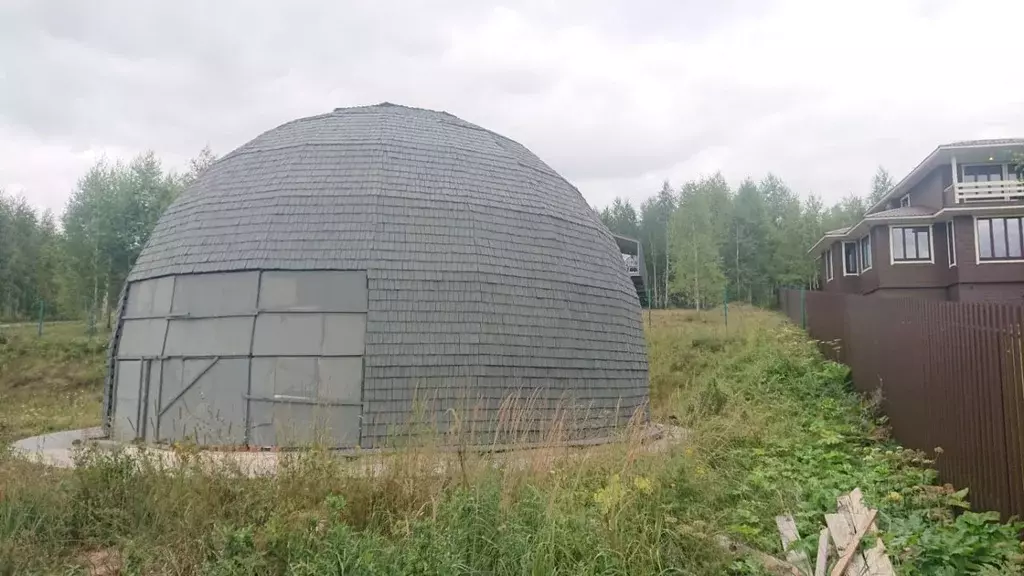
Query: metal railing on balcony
x=632, y=264
x=998, y=190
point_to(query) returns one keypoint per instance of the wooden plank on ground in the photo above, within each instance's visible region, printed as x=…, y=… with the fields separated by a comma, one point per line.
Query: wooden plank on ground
x=789, y=534
x=772, y=564
x=842, y=535
x=851, y=549
x=876, y=559
x=852, y=518
x=821, y=564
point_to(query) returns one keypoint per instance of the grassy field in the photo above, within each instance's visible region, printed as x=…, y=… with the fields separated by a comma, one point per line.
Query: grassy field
x=49, y=383
x=773, y=428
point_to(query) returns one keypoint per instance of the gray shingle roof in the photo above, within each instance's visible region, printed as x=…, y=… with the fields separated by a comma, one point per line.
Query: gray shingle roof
x=903, y=212
x=485, y=268
x=988, y=142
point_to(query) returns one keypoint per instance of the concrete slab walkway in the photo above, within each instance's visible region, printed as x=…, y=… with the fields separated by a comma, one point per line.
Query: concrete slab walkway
x=59, y=449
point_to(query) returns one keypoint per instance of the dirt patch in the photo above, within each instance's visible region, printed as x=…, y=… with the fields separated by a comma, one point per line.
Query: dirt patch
x=103, y=562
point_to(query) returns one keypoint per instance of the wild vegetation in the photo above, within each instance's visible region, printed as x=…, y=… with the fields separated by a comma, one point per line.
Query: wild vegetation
x=73, y=266
x=771, y=427
x=706, y=240
x=50, y=383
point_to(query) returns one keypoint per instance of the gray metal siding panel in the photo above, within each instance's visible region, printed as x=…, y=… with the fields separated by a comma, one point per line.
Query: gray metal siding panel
x=211, y=411
x=284, y=424
x=209, y=337
x=142, y=338
x=289, y=376
x=126, y=409
x=207, y=295
x=341, y=379
x=321, y=291
x=150, y=298
x=288, y=334
x=344, y=334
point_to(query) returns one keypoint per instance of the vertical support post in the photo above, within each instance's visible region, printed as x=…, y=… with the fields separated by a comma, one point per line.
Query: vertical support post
x=803, y=308
x=42, y=312
x=650, y=319
x=956, y=190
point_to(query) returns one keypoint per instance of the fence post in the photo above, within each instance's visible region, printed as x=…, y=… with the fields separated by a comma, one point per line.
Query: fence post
x=650, y=308
x=725, y=307
x=803, y=308
x=90, y=328
x=42, y=312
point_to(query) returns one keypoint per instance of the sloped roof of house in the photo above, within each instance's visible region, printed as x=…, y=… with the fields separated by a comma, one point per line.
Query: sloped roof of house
x=910, y=215
x=941, y=152
x=988, y=142
x=902, y=212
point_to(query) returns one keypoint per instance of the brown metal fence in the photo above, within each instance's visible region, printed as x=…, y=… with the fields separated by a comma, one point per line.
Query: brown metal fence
x=951, y=375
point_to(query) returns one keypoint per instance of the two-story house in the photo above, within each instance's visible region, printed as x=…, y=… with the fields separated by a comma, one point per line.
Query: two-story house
x=949, y=230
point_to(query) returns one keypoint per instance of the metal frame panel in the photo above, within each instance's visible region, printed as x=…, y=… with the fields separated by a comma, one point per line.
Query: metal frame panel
x=190, y=328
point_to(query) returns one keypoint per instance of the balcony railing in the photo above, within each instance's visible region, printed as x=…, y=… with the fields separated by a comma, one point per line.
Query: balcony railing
x=999, y=190
x=632, y=264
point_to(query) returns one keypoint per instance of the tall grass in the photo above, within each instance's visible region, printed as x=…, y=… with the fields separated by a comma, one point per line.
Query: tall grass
x=49, y=383
x=770, y=427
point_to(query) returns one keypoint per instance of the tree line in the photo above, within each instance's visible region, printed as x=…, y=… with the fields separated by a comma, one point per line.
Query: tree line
x=702, y=242
x=705, y=242
x=73, y=266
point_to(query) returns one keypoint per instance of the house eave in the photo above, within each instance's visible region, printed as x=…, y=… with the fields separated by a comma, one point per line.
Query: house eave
x=862, y=227
x=933, y=160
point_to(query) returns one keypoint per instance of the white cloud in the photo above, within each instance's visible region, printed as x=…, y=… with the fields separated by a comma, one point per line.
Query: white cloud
x=616, y=95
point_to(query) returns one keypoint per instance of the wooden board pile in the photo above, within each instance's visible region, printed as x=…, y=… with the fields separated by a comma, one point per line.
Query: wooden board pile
x=851, y=525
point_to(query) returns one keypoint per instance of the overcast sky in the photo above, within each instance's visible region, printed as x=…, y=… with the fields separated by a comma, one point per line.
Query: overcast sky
x=617, y=95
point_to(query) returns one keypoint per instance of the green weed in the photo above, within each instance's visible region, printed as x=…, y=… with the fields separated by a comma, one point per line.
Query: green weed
x=49, y=383
x=772, y=428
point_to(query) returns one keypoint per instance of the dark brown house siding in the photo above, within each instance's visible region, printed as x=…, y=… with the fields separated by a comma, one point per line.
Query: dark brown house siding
x=839, y=283
x=990, y=292
x=985, y=282
x=970, y=270
x=967, y=281
x=912, y=274
x=869, y=278
x=929, y=191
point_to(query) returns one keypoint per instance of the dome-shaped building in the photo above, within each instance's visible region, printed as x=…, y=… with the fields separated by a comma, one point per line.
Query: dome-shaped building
x=343, y=271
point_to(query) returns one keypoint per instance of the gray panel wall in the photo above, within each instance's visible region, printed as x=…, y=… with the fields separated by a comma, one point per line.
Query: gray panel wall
x=264, y=358
x=211, y=409
x=142, y=337
x=126, y=408
x=215, y=294
x=150, y=298
x=209, y=337
x=316, y=291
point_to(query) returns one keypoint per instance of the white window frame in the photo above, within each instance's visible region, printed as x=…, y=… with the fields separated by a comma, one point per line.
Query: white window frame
x=829, y=273
x=931, y=245
x=905, y=201
x=871, y=256
x=951, y=244
x=977, y=245
x=856, y=258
